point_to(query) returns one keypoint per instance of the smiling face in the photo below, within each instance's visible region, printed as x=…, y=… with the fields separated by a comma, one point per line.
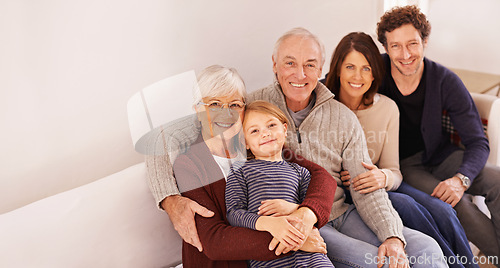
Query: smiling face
x=224, y=123
x=355, y=78
x=298, y=67
x=264, y=135
x=405, y=47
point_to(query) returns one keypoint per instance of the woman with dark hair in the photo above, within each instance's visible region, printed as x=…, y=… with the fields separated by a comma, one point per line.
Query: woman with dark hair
x=356, y=72
x=357, y=42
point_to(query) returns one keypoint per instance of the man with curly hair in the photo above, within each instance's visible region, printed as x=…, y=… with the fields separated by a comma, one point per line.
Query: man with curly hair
x=423, y=91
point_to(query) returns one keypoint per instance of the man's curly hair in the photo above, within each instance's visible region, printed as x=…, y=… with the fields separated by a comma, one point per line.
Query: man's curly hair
x=399, y=16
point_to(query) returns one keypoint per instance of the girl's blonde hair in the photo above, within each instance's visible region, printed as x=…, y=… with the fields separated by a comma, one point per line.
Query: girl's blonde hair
x=264, y=107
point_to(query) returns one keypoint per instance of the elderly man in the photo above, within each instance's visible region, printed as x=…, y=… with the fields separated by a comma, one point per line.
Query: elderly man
x=328, y=133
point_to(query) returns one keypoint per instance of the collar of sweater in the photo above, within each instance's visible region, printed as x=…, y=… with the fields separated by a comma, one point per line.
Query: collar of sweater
x=323, y=94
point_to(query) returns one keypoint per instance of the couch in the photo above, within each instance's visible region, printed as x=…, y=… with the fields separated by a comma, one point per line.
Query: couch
x=114, y=221
x=488, y=107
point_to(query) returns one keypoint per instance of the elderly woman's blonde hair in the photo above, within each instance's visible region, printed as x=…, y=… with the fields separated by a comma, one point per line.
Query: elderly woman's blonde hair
x=217, y=81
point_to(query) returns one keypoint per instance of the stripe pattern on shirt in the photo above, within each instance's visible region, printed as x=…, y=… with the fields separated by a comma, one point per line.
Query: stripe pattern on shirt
x=254, y=181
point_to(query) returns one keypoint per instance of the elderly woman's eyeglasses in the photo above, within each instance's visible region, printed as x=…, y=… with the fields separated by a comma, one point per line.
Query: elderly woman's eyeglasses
x=216, y=106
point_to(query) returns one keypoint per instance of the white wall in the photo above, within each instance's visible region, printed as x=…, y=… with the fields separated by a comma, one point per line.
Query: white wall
x=67, y=69
x=465, y=34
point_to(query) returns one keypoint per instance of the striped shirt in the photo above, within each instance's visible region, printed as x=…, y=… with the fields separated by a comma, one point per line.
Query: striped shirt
x=254, y=181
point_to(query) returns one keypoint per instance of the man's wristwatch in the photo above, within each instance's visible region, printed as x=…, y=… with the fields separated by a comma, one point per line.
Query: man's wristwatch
x=465, y=180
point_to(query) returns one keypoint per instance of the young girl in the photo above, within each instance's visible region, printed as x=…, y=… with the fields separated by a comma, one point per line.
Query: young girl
x=263, y=191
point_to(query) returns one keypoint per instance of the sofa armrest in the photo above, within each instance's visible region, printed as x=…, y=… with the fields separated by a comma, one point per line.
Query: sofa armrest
x=112, y=222
x=488, y=107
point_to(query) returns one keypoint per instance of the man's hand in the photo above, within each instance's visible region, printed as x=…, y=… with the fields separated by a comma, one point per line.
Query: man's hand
x=276, y=207
x=450, y=191
x=393, y=249
x=181, y=211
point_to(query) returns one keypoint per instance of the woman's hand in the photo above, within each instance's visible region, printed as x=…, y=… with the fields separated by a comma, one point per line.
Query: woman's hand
x=277, y=207
x=369, y=181
x=314, y=242
x=305, y=224
x=181, y=211
x=345, y=177
x=282, y=229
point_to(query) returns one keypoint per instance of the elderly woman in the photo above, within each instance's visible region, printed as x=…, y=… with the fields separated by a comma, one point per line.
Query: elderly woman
x=202, y=170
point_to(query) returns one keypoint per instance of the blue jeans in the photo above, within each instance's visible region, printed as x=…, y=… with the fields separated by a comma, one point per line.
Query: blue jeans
x=419, y=210
x=350, y=243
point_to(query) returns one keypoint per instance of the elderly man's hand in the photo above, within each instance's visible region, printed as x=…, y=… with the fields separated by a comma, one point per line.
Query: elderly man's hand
x=393, y=249
x=181, y=211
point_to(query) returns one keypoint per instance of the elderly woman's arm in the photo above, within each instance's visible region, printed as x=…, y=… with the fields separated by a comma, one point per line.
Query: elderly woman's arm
x=321, y=190
x=181, y=210
x=216, y=235
x=220, y=240
x=163, y=146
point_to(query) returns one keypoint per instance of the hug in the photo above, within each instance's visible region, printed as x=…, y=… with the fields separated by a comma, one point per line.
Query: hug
x=256, y=182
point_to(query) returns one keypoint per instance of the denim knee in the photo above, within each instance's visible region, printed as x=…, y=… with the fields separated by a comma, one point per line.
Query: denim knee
x=441, y=209
x=402, y=201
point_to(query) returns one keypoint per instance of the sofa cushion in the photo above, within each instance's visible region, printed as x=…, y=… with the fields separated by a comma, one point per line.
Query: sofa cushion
x=112, y=222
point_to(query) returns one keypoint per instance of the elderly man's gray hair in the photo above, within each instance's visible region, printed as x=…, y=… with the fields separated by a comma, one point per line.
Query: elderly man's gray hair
x=299, y=31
